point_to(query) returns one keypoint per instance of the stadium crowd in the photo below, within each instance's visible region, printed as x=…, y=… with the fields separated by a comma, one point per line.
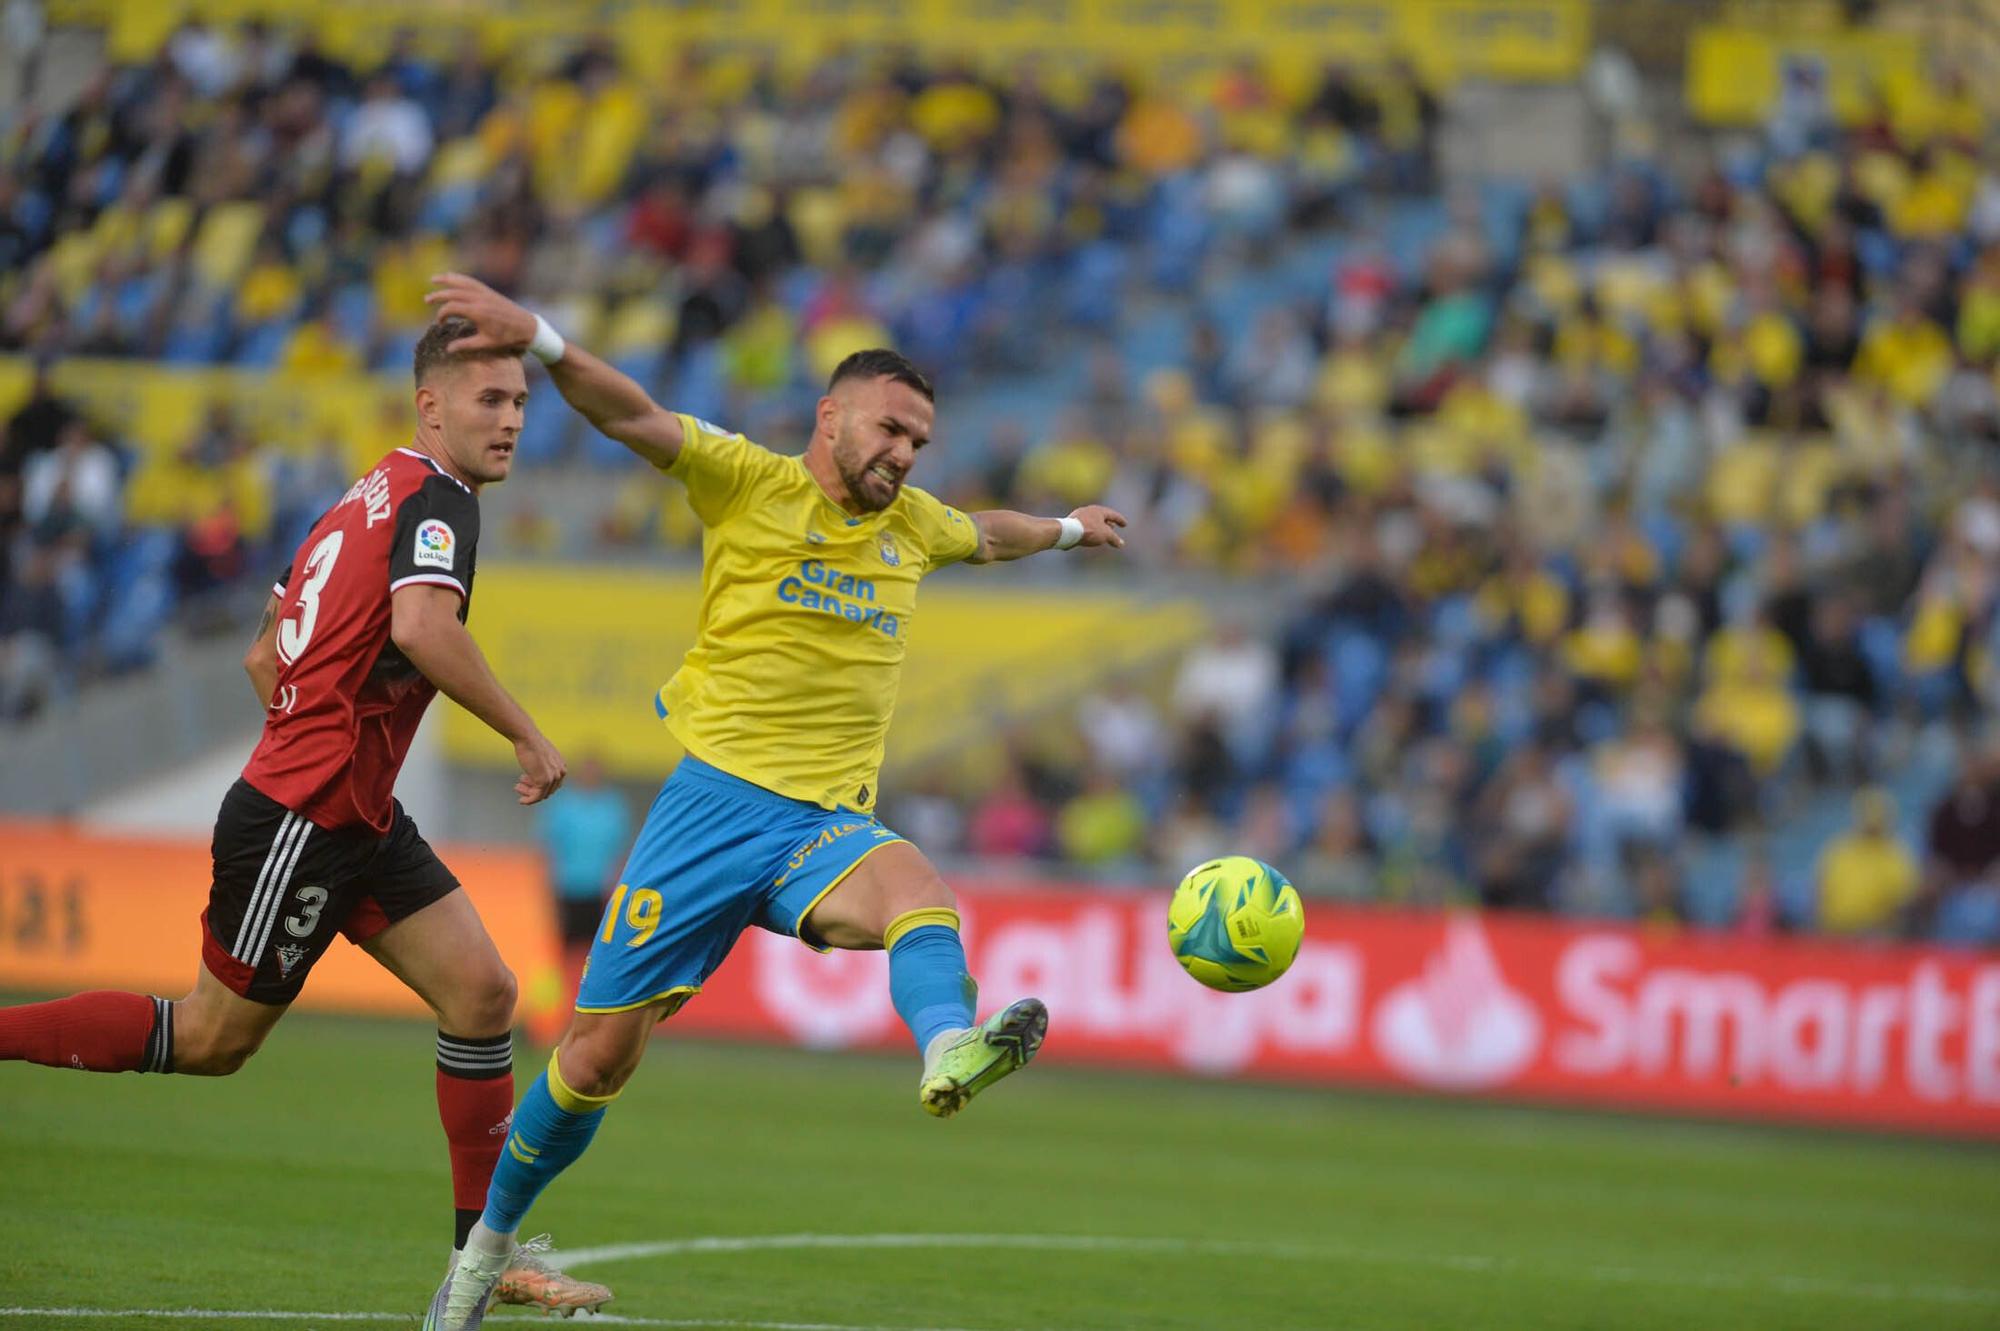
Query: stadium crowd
x=1640, y=518
x=245, y=198
x=1609, y=518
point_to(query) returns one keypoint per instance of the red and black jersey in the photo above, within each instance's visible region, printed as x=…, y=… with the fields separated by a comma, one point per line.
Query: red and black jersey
x=348, y=702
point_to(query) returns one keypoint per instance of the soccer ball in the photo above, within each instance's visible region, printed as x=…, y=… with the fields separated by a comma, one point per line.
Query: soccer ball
x=1235, y=923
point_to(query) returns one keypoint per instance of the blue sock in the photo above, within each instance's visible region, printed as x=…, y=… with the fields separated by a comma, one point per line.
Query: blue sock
x=547, y=1139
x=927, y=977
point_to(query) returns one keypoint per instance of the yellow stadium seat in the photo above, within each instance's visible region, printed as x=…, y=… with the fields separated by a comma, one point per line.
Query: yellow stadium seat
x=73, y=260
x=172, y=407
x=460, y=162
x=17, y=382
x=612, y=126
x=167, y=225
x=247, y=485
x=837, y=339
x=116, y=229
x=643, y=323
x=223, y=245
x=820, y=221
x=157, y=494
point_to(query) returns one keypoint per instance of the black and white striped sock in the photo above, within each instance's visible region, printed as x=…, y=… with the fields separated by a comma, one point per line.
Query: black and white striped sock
x=476, y=1057
x=160, y=1040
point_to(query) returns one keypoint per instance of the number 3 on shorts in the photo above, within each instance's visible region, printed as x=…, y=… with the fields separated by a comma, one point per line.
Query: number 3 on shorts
x=642, y=914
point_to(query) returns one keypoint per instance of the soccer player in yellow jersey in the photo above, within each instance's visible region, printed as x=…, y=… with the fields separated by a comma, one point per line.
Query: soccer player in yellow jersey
x=810, y=568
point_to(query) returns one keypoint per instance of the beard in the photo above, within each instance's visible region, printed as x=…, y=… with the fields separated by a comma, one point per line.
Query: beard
x=863, y=488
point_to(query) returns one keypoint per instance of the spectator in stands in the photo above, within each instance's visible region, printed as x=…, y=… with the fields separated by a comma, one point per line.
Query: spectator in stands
x=1757, y=916
x=31, y=627
x=39, y=422
x=584, y=829
x=928, y=811
x=1008, y=822
x=1233, y=680
x=31, y=431
x=1521, y=829
x=1963, y=844
x=1841, y=693
x=388, y=128
x=1190, y=834
x=1124, y=731
x=1104, y=825
x=1266, y=829
x=1340, y=859
x=72, y=488
x=1639, y=777
x=1655, y=873
x=1867, y=876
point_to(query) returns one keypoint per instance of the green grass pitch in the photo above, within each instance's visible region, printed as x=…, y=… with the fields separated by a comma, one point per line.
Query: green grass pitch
x=314, y=1184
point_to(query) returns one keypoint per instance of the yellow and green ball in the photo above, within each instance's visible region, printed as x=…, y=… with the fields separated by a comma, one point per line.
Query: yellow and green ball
x=1235, y=923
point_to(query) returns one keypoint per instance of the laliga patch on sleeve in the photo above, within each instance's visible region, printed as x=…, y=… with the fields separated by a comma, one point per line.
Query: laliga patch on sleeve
x=435, y=544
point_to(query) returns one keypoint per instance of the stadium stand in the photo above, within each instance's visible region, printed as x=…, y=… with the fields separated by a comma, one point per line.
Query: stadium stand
x=1618, y=531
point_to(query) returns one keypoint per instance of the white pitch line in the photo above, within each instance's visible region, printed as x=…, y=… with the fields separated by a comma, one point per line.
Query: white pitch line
x=616, y=1252
x=582, y=1319
x=1781, y=1284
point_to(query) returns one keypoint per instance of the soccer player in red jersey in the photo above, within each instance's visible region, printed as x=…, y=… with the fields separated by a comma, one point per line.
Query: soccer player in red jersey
x=360, y=633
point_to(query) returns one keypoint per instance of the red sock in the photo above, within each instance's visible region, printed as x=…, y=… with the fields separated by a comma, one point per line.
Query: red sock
x=475, y=1090
x=101, y=1031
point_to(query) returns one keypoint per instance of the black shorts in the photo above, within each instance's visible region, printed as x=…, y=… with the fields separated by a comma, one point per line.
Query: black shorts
x=283, y=887
x=578, y=918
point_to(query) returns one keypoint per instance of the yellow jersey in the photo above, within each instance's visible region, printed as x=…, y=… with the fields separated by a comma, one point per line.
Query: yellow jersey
x=805, y=617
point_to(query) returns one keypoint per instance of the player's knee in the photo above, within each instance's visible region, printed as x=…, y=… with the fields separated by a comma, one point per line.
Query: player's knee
x=485, y=1004
x=920, y=892
x=201, y=1051
x=600, y=1060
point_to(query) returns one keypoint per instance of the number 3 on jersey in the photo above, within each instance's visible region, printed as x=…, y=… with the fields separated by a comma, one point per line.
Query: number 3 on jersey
x=294, y=634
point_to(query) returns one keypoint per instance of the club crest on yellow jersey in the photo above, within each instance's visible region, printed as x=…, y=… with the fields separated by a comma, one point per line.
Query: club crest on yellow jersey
x=890, y=555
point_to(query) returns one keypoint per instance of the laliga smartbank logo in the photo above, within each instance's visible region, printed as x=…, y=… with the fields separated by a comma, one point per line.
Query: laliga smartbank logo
x=1910, y=1033
x=1458, y=1025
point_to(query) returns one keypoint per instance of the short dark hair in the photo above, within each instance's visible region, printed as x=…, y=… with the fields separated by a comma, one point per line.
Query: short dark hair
x=434, y=347
x=882, y=363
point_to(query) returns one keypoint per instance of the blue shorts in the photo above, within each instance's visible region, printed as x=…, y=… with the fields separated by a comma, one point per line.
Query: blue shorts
x=716, y=855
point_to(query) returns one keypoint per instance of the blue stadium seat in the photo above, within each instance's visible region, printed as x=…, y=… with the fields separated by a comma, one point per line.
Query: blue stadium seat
x=1712, y=881
x=1969, y=917
x=195, y=342
x=353, y=311
x=140, y=599
x=702, y=386
x=1091, y=294
x=1359, y=665
x=1179, y=235
x=544, y=426
x=262, y=344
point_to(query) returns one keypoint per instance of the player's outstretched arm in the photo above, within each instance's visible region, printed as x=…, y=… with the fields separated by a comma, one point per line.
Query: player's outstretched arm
x=423, y=623
x=1005, y=534
x=609, y=400
x=261, y=661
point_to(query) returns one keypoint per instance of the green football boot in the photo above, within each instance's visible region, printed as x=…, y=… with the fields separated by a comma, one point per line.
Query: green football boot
x=960, y=1067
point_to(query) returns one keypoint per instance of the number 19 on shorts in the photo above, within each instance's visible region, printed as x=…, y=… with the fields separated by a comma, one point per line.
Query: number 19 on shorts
x=640, y=909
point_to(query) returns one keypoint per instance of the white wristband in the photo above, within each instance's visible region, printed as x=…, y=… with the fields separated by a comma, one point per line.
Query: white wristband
x=1072, y=532
x=547, y=346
